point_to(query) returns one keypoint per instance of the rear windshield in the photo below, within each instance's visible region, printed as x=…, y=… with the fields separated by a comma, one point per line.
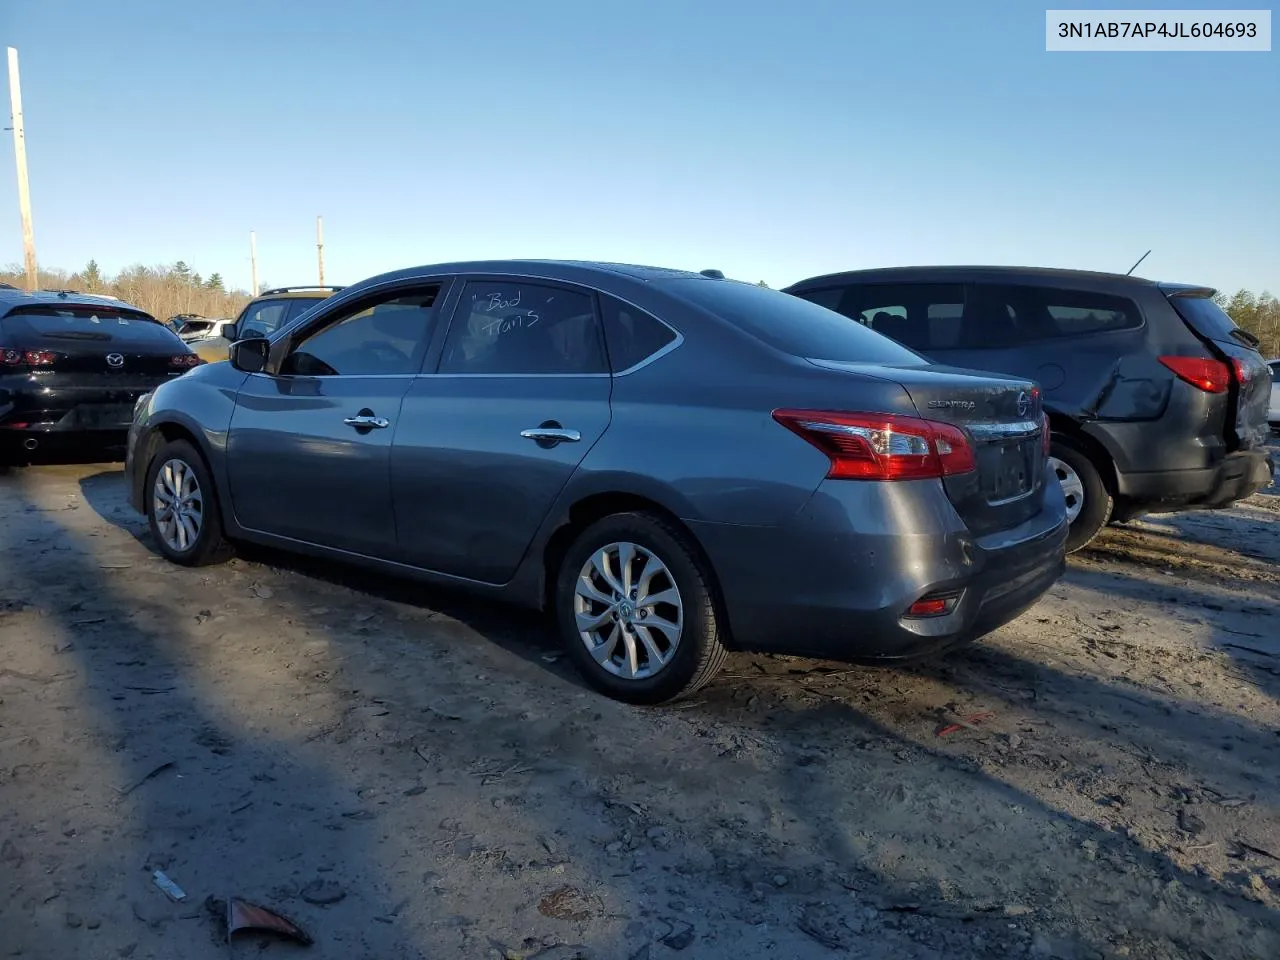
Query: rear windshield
x=50, y=320
x=1206, y=317
x=792, y=325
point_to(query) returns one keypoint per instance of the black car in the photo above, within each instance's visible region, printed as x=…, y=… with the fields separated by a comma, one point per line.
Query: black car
x=1157, y=400
x=73, y=365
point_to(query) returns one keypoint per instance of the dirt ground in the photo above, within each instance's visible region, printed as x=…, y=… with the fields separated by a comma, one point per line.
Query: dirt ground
x=408, y=774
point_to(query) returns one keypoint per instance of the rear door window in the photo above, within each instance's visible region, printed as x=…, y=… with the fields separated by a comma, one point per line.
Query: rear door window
x=505, y=327
x=790, y=324
x=922, y=316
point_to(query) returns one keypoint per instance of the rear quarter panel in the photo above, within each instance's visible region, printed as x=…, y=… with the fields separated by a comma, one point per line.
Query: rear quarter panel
x=694, y=430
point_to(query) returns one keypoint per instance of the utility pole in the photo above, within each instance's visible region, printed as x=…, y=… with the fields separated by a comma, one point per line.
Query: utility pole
x=253, y=259
x=20, y=158
x=320, y=246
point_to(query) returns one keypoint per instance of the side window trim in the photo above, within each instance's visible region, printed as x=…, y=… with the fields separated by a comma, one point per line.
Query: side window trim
x=457, y=313
x=292, y=334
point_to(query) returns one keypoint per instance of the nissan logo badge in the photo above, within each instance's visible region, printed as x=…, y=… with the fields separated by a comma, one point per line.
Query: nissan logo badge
x=117, y=360
x=1024, y=404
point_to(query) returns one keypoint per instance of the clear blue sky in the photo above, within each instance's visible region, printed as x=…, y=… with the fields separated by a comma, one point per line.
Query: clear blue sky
x=772, y=141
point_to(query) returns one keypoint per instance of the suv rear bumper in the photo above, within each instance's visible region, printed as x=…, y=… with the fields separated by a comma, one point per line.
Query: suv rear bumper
x=1239, y=475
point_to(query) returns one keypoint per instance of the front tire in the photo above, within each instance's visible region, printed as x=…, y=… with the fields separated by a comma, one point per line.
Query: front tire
x=635, y=610
x=182, y=507
x=1089, y=502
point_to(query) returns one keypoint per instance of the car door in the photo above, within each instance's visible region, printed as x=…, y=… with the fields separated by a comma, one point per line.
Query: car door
x=309, y=444
x=487, y=441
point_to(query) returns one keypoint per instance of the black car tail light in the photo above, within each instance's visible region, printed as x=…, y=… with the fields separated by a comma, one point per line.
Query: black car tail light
x=185, y=361
x=27, y=358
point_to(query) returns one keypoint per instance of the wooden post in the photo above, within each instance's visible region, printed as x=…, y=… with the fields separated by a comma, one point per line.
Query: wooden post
x=320, y=246
x=20, y=158
x=253, y=259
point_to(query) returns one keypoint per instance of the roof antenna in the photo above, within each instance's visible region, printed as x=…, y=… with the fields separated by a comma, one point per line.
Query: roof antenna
x=1135, y=266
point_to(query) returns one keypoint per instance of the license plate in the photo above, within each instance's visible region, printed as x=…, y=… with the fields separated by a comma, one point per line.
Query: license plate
x=103, y=416
x=1008, y=470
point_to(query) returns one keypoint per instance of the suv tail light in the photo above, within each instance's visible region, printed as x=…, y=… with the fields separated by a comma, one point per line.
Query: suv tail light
x=1211, y=376
x=185, y=361
x=879, y=446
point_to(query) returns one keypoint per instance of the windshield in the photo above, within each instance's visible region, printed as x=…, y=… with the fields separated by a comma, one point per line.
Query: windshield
x=792, y=325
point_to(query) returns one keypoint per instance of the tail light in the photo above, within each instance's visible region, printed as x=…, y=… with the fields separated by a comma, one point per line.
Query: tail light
x=1211, y=376
x=878, y=446
x=27, y=358
x=185, y=361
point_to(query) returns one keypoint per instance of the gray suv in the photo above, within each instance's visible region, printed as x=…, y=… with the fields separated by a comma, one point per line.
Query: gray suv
x=673, y=464
x=1157, y=400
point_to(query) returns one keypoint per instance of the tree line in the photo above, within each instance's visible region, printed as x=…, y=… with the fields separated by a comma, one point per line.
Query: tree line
x=166, y=290
x=162, y=291
x=1259, y=314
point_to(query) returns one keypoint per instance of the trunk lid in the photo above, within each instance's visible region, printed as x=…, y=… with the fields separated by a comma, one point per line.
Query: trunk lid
x=1249, y=396
x=92, y=339
x=1002, y=416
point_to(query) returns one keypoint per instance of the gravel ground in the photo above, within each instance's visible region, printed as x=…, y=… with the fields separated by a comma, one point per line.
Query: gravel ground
x=410, y=774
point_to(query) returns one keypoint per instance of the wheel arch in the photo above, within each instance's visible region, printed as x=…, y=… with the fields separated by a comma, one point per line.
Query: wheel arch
x=596, y=506
x=1067, y=429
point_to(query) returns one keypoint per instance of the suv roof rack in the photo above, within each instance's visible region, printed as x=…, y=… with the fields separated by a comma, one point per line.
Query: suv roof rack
x=275, y=290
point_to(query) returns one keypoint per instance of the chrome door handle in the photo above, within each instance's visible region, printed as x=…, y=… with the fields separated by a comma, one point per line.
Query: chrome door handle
x=551, y=433
x=379, y=423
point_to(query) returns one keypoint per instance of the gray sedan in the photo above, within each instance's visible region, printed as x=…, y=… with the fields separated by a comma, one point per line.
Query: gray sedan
x=672, y=464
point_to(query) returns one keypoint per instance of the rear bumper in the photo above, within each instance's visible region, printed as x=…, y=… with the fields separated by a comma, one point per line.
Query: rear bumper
x=1237, y=476
x=49, y=404
x=836, y=581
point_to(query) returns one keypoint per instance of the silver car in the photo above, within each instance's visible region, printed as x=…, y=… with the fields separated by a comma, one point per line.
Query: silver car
x=673, y=465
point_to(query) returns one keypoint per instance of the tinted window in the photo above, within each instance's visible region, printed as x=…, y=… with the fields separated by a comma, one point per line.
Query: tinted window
x=829, y=298
x=503, y=327
x=1004, y=316
x=1206, y=317
x=300, y=305
x=263, y=319
x=631, y=335
x=790, y=324
x=922, y=316
x=387, y=336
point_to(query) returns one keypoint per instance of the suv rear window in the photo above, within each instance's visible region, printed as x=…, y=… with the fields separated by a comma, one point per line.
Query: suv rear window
x=791, y=324
x=1206, y=317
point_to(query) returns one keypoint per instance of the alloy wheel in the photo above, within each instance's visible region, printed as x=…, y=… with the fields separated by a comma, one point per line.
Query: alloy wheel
x=628, y=610
x=178, y=505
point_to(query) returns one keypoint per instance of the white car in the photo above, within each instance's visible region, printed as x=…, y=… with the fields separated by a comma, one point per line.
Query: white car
x=1273, y=415
x=202, y=329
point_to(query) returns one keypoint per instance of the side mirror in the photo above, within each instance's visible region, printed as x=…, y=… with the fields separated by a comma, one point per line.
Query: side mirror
x=229, y=332
x=250, y=356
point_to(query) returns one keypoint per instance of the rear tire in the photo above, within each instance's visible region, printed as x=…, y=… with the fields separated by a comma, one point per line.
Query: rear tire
x=182, y=507
x=609, y=630
x=1089, y=502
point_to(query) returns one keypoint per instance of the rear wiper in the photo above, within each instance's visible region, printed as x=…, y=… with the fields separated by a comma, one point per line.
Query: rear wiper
x=1247, y=338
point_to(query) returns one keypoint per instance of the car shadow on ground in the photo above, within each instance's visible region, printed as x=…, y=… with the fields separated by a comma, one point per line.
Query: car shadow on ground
x=860, y=778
